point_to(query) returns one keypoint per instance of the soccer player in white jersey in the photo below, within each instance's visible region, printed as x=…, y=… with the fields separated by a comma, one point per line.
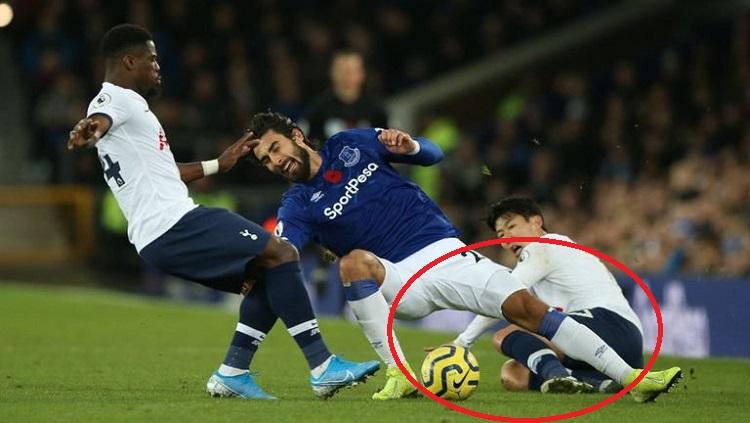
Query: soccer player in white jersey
x=348, y=198
x=210, y=246
x=573, y=281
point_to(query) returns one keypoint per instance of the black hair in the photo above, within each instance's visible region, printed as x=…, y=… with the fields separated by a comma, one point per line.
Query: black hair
x=522, y=206
x=261, y=123
x=122, y=38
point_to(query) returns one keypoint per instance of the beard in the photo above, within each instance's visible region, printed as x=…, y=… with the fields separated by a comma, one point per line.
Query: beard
x=152, y=92
x=304, y=171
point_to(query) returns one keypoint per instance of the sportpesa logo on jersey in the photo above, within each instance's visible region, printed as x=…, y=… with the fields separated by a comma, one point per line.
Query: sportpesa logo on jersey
x=352, y=188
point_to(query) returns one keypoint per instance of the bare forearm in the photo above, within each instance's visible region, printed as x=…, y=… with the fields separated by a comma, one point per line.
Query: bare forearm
x=196, y=170
x=190, y=171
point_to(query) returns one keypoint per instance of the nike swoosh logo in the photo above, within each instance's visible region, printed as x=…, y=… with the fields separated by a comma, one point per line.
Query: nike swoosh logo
x=348, y=376
x=660, y=381
x=457, y=384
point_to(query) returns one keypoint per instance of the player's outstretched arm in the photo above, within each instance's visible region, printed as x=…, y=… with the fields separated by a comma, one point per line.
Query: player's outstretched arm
x=402, y=148
x=88, y=131
x=226, y=161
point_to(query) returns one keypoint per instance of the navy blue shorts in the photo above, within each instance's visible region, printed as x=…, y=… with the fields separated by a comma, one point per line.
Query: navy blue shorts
x=213, y=247
x=621, y=334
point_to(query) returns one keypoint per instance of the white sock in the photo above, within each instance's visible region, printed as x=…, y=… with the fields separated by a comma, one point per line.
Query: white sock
x=320, y=368
x=225, y=370
x=581, y=343
x=372, y=315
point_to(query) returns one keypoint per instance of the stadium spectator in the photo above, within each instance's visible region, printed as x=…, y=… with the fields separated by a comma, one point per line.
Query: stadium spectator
x=346, y=104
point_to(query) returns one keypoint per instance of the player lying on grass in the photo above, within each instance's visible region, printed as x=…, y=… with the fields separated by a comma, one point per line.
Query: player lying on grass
x=210, y=246
x=571, y=280
x=348, y=198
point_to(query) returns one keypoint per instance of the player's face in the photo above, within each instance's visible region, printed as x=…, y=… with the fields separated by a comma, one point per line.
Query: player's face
x=147, y=71
x=283, y=156
x=514, y=225
x=348, y=72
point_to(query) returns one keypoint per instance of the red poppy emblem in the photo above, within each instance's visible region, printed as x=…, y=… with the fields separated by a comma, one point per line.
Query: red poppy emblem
x=333, y=176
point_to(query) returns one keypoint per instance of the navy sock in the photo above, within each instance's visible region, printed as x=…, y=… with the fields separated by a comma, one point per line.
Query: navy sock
x=530, y=351
x=256, y=320
x=551, y=323
x=359, y=290
x=288, y=299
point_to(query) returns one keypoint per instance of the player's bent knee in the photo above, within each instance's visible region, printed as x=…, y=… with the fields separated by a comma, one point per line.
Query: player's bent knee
x=524, y=310
x=360, y=265
x=514, y=376
x=278, y=251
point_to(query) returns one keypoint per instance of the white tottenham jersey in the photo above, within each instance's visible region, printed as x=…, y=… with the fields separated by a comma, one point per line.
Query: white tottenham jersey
x=571, y=279
x=139, y=166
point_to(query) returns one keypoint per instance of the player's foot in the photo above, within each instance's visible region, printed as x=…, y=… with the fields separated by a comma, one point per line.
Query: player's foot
x=609, y=386
x=242, y=386
x=654, y=384
x=566, y=385
x=341, y=374
x=396, y=385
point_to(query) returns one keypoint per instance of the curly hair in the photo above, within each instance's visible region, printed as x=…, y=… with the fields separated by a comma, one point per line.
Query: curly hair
x=121, y=39
x=261, y=123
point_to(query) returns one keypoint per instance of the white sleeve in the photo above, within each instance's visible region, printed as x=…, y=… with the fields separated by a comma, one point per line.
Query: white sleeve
x=533, y=264
x=117, y=107
x=476, y=328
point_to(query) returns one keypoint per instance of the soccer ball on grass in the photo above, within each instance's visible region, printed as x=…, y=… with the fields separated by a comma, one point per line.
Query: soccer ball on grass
x=451, y=372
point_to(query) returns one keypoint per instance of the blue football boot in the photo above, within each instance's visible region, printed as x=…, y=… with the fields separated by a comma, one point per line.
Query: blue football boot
x=341, y=374
x=242, y=386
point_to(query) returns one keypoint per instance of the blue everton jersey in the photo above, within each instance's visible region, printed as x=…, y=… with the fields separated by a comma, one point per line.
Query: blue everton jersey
x=358, y=200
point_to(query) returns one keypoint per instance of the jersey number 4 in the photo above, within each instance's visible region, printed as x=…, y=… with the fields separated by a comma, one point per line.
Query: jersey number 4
x=112, y=170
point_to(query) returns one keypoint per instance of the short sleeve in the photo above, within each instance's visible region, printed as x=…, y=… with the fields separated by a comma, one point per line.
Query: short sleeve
x=117, y=107
x=533, y=264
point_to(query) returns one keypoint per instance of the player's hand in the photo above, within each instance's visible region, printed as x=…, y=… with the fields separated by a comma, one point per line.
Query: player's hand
x=328, y=256
x=241, y=148
x=86, y=133
x=397, y=142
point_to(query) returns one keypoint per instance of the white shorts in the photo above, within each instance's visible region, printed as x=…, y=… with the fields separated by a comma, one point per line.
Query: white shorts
x=467, y=281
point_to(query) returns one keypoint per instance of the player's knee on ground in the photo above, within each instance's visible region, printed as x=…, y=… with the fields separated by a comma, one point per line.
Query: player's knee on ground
x=514, y=376
x=361, y=265
x=277, y=252
x=524, y=310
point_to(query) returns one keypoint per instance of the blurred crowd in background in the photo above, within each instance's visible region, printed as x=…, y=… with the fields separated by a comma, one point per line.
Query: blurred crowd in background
x=644, y=159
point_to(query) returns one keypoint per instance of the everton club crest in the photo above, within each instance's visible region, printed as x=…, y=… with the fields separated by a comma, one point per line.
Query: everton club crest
x=350, y=156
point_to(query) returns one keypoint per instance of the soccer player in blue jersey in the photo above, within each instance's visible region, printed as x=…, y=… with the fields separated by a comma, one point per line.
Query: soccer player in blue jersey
x=348, y=198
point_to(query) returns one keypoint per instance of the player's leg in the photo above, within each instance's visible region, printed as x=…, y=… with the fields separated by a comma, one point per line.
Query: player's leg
x=581, y=343
x=362, y=274
x=540, y=357
x=514, y=376
x=255, y=321
x=217, y=248
x=289, y=300
x=619, y=333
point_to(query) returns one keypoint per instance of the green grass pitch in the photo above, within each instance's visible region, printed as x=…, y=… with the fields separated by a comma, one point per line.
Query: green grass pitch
x=81, y=355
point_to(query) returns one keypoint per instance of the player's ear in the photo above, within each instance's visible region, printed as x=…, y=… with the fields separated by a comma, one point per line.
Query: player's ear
x=298, y=137
x=128, y=61
x=536, y=221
